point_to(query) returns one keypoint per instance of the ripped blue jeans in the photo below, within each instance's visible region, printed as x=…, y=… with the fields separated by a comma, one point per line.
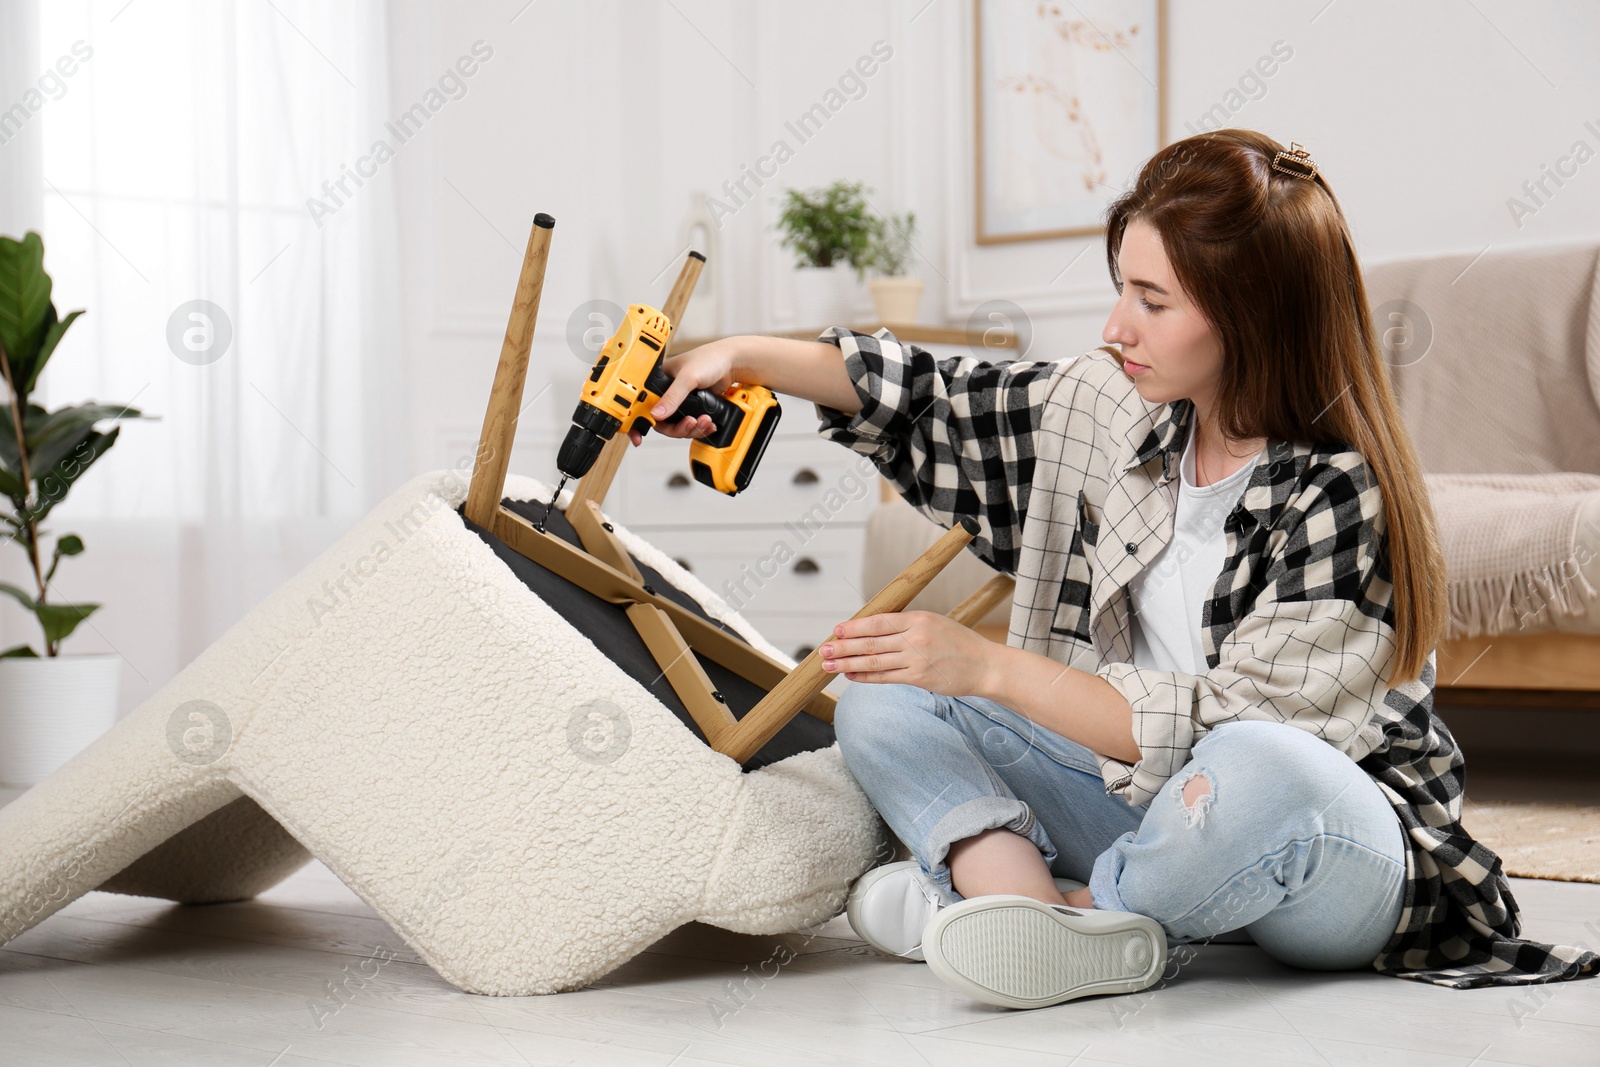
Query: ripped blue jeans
x=1282, y=835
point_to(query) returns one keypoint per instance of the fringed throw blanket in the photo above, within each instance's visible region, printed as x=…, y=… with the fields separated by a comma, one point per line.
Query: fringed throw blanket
x=1517, y=547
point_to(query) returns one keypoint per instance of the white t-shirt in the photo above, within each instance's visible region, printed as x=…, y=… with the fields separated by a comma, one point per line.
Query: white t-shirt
x=1167, y=595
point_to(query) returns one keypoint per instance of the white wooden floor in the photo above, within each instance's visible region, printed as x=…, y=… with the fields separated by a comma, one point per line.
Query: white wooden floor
x=307, y=974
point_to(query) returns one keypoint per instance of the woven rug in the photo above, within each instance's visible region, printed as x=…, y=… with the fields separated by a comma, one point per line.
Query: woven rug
x=1556, y=841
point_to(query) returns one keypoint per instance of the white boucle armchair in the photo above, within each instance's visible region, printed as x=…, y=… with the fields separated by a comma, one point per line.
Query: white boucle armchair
x=430, y=742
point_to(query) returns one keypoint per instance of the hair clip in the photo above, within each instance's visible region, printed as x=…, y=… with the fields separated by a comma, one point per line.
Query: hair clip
x=1300, y=164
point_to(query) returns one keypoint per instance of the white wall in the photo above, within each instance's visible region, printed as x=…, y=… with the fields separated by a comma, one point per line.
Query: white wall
x=1425, y=117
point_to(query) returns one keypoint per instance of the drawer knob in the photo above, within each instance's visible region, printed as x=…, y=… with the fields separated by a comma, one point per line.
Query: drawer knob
x=806, y=565
x=679, y=480
x=680, y=561
x=803, y=651
x=806, y=476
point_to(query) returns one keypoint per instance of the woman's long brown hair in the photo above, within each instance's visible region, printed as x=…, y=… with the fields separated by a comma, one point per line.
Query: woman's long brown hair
x=1267, y=257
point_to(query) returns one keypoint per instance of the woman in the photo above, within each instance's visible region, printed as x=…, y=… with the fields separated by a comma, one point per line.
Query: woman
x=1215, y=709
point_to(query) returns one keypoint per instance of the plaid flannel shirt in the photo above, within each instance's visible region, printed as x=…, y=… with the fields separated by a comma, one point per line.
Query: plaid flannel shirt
x=1072, y=477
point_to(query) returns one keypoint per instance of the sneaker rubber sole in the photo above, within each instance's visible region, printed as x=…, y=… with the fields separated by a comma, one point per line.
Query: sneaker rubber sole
x=856, y=902
x=1017, y=952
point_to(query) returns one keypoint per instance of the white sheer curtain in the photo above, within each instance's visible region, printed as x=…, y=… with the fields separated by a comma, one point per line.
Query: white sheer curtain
x=20, y=203
x=175, y=163
x=178, y=163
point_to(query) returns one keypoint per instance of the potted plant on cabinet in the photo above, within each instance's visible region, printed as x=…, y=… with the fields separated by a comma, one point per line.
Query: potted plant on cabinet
x=52, y=705
x=831, y=230
x=895, y=294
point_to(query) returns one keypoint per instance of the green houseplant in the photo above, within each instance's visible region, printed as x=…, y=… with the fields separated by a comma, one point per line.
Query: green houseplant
x=832, y=231
x=829, y=225
x=895, y=293
x=42, y=455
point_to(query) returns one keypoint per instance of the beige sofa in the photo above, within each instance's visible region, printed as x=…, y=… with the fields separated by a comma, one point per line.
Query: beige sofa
x=1496, y=361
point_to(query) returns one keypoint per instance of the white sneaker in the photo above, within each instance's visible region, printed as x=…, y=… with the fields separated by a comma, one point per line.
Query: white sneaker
x=1018, y=952
x=890, y=906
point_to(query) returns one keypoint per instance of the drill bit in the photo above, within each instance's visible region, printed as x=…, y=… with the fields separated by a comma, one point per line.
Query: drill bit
x=546, y=516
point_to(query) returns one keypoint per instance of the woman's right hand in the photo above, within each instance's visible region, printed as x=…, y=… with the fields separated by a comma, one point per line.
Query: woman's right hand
x=709, y=366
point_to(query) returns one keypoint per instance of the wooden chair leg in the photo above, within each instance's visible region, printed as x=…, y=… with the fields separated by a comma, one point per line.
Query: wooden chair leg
x=970, y=612
x=808, y=678
x=505, y=399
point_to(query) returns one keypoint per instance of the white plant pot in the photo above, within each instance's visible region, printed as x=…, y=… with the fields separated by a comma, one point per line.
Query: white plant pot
x=51, y=709
x=824, y=296
x=896, y=299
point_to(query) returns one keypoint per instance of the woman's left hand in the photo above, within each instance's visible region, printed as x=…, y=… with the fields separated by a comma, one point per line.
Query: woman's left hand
x=921, y=648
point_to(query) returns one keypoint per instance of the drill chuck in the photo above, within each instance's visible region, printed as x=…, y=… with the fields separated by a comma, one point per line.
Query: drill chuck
x=591, y=429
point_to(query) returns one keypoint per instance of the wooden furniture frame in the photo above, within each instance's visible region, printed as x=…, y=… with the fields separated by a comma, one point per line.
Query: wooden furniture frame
x=1553, y=668
x=604, y=568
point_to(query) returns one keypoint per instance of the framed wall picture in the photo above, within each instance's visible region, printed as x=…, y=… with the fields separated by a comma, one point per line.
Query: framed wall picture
x=1069, y=99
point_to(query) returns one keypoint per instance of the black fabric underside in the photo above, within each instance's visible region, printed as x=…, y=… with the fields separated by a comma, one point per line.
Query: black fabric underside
x=608, y=627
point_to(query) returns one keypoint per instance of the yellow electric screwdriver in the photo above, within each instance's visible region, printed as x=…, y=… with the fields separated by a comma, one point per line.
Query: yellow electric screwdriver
x=625, y=383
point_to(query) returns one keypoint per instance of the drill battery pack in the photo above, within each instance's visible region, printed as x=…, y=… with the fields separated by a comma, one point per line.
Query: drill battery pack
x=728, y=469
